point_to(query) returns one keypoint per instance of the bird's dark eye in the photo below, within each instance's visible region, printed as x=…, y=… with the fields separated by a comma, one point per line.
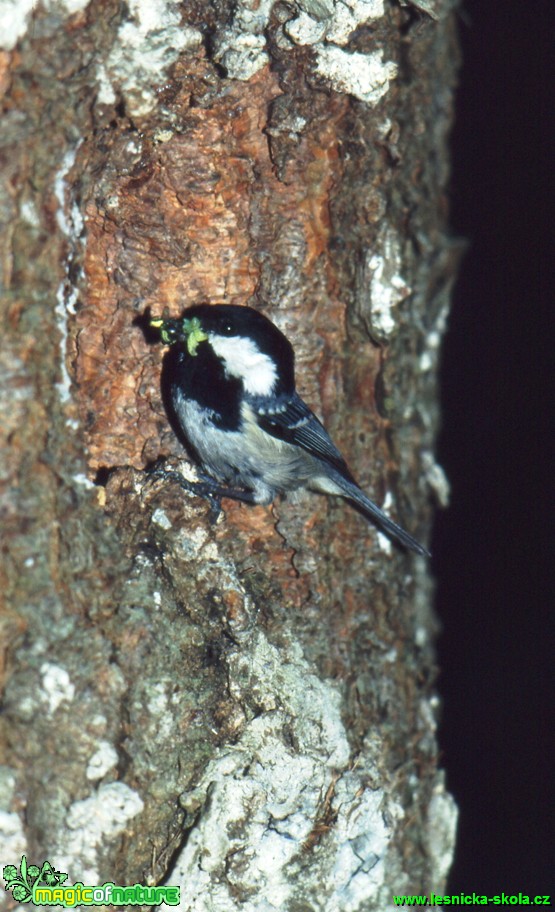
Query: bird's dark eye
x=227, y=329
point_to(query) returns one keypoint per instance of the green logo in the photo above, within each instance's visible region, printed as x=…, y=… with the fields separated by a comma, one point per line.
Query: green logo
x=21, y=882
x=46, y=887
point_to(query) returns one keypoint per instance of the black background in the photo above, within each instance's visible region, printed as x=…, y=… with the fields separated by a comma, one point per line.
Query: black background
x=492, y=551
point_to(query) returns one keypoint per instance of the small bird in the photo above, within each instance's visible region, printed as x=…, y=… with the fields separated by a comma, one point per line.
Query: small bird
x=230, y=376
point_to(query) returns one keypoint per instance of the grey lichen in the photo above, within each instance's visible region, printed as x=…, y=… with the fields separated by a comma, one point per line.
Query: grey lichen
x=335, y=24
x=442, y=829
x=326, y=27
x=16, y=14
x=287, y=786
x=13, y=841
x=380, y=286
x=433, y=8
x=366, y=76
x=241, y=46
x=90, y=824
x=147, y=44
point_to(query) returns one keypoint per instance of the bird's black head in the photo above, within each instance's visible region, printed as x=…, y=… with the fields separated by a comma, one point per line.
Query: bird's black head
x=249, y=346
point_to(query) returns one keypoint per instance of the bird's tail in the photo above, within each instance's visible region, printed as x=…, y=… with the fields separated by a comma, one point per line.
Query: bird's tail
x=377, y=516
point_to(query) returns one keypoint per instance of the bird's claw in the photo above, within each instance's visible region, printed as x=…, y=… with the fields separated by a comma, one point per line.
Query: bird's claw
x=205, y=488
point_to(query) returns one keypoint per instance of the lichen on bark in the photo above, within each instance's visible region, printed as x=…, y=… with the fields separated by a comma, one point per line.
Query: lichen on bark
x=245, y=708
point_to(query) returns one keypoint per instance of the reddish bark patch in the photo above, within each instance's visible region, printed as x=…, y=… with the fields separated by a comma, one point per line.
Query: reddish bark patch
x=201, y=217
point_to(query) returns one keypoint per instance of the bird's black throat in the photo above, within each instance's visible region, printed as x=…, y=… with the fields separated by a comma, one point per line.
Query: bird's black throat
x=202, y=378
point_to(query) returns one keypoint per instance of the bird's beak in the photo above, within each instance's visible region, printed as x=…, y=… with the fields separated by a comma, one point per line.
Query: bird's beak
x=172, y=330
x=168, y=330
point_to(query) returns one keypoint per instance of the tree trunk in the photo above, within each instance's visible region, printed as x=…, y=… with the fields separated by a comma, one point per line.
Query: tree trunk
x=245, y=709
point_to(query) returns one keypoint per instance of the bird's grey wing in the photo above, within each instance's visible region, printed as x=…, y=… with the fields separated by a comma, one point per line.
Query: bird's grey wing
x=295, y=423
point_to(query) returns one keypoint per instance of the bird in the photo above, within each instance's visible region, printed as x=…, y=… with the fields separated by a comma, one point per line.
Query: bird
x=230, y=379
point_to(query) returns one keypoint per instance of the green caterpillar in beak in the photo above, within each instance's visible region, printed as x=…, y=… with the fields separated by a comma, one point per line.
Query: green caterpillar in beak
x=172, y=330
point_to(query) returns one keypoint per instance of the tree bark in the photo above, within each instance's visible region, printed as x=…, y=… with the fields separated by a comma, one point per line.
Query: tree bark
x=245, y=709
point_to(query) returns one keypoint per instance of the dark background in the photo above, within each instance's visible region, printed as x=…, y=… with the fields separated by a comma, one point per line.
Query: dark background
x=491, y=548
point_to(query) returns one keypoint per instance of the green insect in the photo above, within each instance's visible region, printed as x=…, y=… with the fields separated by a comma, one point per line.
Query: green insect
x=191, y=329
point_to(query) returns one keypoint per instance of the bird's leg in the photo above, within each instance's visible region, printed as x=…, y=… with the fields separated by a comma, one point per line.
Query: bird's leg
x=213, y=491
x=206, y=487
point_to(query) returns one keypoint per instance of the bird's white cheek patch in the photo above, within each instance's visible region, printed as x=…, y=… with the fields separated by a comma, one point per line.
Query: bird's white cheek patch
x=243, y=360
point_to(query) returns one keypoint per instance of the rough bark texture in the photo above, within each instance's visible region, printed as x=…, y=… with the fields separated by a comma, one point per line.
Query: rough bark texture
x=245, y=709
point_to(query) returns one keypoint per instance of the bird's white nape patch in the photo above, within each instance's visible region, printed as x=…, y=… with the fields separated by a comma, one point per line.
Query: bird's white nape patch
x=244, y=360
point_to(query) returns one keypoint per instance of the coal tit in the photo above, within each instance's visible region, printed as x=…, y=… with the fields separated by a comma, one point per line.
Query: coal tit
x=231, y=387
